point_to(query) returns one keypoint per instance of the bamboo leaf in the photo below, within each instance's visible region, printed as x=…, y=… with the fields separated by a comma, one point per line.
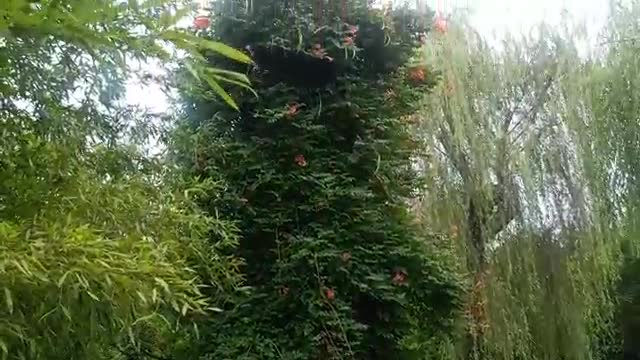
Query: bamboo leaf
x=21, y=267
x=191, y=70
x=143, y=318
x=9, y=300
x=227, y=51
x=231, y=81
x=92, y=295
x=65, y=311
x=141, y=296
x=63, y=278
x=164, y=285
x=4, y=348
x=239, y=76
x=185, y=308
x=45, y=315
x=196, y=330
x=221, y=92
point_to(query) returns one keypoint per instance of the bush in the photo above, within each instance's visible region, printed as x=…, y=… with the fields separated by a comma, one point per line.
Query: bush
x=319, y=173
x=97, y=243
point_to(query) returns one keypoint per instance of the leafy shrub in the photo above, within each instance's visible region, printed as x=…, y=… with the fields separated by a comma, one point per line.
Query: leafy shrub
x=98, y=242
x=319, y=171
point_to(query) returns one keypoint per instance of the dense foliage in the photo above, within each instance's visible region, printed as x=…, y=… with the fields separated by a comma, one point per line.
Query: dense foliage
x=319, y=174
x=531, y=165
x=331, y=210
x=95, y=237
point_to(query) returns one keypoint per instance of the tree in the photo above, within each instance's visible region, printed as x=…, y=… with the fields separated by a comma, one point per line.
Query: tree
x=319, y=173
x=97, y=240
x=521, y=151
x=478, y=128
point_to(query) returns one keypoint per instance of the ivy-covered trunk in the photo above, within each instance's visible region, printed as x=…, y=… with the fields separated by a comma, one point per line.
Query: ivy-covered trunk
x=319, y=173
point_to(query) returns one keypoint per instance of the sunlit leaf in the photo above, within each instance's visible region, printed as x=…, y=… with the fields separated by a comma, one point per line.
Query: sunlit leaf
x=9, y=300
x=236, y=82
x=63, y=278
x=93, y=296
x=227, y=51
x=221, y=92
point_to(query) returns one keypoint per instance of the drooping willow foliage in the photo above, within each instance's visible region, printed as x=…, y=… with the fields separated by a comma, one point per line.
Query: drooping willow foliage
x=532, y=158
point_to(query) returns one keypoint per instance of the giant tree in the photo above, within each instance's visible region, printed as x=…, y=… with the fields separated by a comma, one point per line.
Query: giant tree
x=319, y=173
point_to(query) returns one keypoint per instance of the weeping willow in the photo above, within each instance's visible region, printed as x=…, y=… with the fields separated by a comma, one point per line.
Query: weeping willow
x=532, y=159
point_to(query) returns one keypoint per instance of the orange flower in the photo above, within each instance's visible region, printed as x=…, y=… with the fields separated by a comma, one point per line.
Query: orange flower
x=348, y=41
x=318, y=51
x=292, y=110
x=201, y=22
x=399, y=276
x=417, y=74
x=300, y=160
x=453, y=231
x=330, y=294
x=441, y=24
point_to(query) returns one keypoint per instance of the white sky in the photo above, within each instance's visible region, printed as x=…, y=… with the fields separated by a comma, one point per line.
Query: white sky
x=489, y=17
x=521, y=15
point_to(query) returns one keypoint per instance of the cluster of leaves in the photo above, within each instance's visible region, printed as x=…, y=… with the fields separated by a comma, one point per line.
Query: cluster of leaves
x=80, y=35
x=96, y=239
x=610, y=143
x=318, y=180
x=628, y=314
x=531, y=169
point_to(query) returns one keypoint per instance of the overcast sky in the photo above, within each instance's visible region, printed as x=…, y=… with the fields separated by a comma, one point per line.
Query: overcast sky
x=518, y=15
x=490, y=17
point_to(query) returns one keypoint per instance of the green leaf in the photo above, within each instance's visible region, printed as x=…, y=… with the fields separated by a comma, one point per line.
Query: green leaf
x=235, y=82
x=92, y=295
x=143, y=318
x=221, y=92
x=63, y=278
x=22, y=266
x=192, y=70
x=185, y=308
x=164, y=285
x=196, y=330
x=45, y=315
x=9, y=300
x=141, y=296
x=4, y=348
x=66, y=312
x=226, y=51
x=239, y=76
